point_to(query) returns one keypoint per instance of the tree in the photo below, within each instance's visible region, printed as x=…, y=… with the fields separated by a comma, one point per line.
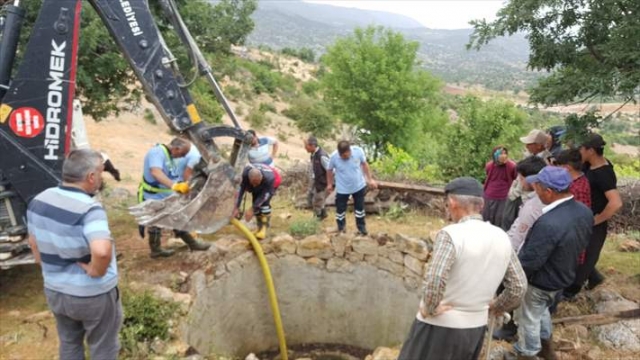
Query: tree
x=373, y=83
x=591, y=47
x=480, y=127
x=105, y=82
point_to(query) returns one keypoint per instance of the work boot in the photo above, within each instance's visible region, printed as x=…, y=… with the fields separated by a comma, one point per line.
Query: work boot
x=322, y=214
x=154, y=243
x=263, y=224
x=512, y=356
x=193, y=243
x=547, y=352
x=595, y=279
x=507, y=332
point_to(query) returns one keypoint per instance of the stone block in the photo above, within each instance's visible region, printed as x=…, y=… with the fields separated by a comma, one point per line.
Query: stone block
x=316, y=245
x=284, y=244
x=365, y=245
x=355, y=257
x=413, y=264
x=390, y=266
x=412, y=246
x=340, y=243
x=314, y=261
x=396, y=256
x=232, y=247
x=371, y=259
x=339, y=265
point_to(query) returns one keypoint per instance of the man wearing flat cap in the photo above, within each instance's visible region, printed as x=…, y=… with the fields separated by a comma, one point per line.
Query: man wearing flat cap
x=549, y=257
x=471, y=258
x=605, y=202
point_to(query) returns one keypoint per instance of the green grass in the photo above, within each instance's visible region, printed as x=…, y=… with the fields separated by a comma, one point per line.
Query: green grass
x=625, y=263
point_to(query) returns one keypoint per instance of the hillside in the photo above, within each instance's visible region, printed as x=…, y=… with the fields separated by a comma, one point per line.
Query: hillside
x=499, y=66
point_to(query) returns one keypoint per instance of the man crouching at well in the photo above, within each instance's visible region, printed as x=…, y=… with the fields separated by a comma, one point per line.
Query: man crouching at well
x=471, y=258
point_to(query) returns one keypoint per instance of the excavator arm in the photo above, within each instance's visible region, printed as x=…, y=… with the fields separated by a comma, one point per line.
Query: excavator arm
x=36, y=107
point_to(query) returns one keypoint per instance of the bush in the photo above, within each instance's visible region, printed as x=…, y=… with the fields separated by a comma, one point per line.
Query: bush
x=264, y=107
x=257, y=119
x=304, y=54
x=311, y=87
x=145, y=318
x=311, y=116
x=206, y=102
x=234, y=93
x=304, y=228
x=397, y=164
x=149, y=117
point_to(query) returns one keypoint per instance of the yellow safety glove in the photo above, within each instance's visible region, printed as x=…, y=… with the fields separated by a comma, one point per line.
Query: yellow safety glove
x=180, y=187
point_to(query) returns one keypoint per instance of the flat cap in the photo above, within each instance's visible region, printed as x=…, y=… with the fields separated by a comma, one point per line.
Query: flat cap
x=464, y=186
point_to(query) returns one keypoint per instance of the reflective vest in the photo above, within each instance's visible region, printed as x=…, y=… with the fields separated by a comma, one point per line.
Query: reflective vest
x=146, y=187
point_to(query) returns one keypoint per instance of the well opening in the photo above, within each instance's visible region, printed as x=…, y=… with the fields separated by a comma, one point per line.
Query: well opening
x=359, y=293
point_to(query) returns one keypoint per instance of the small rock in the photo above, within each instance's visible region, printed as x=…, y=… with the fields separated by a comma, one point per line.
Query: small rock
x=594, y=353
x=414, y=265
x=339, y=265
x=284, y=244
x=183, y=276
x=251, y=356
x=579, y=331
x=232, y=246
x=414, y=247
x=630, y=246
x=162, y=293
x=285, y=216
x=382, y=238
x=14, y=313
x=220, y=270
x=174, y=242
x=384, y=353
x=608, y=301
x=340, y=243
x=157, y=346
x=314, y=261
x=316, y=245
x=365, y=245
x=177, y=347
x=390, y=266
x=623, y=335
x=498, y=352
x=182, y=298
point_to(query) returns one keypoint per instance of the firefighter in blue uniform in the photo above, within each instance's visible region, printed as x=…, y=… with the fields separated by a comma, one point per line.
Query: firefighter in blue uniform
x=161, y=177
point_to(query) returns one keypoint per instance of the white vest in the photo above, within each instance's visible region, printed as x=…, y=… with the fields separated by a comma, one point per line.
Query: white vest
x=483, y=252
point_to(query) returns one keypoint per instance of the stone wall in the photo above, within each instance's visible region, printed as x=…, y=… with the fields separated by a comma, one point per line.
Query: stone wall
x=360, y=291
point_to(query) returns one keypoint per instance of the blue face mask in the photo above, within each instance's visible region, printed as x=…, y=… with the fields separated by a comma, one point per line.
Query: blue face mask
x=496, y=155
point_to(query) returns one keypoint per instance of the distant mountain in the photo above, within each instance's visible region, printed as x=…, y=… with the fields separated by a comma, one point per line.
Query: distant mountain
x=501, y=65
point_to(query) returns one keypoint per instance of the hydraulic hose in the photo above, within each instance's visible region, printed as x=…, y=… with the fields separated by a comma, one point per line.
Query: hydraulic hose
x=273, y=299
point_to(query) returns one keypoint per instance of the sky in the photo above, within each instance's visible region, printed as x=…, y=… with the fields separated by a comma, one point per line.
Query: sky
x=435, y=14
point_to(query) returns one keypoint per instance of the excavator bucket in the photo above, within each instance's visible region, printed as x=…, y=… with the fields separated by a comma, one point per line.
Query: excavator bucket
x=205, y=209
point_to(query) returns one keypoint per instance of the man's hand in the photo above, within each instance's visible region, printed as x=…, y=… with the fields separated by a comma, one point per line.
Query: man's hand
x=329, y=189
x=441, y=309
x=89, y=269
x=180, y=187
x=236, y=213
x=372, y=184
x=248, y=214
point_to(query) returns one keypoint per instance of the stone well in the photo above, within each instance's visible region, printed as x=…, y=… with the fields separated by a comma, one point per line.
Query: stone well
x=357, y=291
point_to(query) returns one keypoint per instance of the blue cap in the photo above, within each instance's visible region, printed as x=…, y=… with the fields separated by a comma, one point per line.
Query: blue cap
x=552, y=177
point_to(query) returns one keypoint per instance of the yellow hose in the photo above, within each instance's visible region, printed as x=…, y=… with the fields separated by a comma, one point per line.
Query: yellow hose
x=270, y=288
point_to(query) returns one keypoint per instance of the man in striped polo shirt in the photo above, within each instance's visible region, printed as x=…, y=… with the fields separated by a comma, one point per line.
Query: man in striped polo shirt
x=70, y=239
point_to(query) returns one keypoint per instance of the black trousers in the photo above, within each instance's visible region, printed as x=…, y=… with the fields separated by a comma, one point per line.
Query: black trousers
x=587, y=270
x=358, y=205
x=430, y=342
